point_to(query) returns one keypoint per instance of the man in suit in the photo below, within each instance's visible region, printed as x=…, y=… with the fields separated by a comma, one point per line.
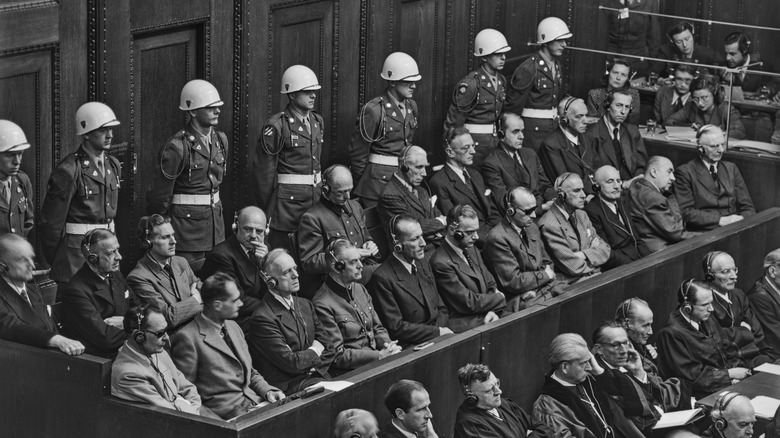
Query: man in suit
x=456, y=184
x=240, y=256
x=654, y=211
x=404, y=291
x=211, y=353
x=515, y=254
x=352, y=423
x=609, y=216
x=95, y=300
x=672, y=98
x=616, y=143
x=466, y=286
x=511, y=165
x=710, y=191
x=404, y=195
x=682, y=47
x=16, y=203
x=410, y=412
x=570, y=239
x=764, y=299
x=287, y=340
x=161, y=277
x=566, y=149
x=24, y=317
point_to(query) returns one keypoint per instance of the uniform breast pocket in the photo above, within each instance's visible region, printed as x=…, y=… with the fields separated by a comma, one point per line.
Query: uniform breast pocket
x=349, y=328
x=89, y=188
x=413, y=124
x=195, y=212
x=294, y=192
x=333, y=235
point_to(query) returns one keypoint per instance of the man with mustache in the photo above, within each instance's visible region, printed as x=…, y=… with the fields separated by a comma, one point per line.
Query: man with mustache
x=16, y=204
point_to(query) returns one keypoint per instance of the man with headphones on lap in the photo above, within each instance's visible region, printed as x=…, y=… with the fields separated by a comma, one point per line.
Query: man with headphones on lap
x=732, y=416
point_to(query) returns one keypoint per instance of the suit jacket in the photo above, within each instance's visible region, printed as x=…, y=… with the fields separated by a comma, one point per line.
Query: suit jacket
x=279, y=343
x=558, y=155
x=451, y=191
x=502, y=172
x=701, y=55
x=86, y=301
x=656, y=217
x=731, y=316
x=562, y=241
x=151, y=284
x=765, y=302
x=21, y=322
x=704, y=201
x=469, y=293
x=662, y=106
x=409, y=306
x=632, y=145
x=224, y=379
x=620, y=235
x=230, y=257
x=396, y=199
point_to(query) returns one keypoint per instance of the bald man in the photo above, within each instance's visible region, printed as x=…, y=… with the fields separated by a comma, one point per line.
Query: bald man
x=404, y=195
x=764, y=299
x=355, y=423
x=653, y=208
x=732, y=416
x=609, y=215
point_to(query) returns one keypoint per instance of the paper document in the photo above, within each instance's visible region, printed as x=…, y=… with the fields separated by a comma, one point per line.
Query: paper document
x=680, y=418
x=755, y=146
x=680, y=133
x=768, y=368
x=334, y=385
x=765, y=407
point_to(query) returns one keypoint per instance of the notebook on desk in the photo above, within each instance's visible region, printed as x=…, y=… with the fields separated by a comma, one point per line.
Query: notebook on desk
x=681, y=133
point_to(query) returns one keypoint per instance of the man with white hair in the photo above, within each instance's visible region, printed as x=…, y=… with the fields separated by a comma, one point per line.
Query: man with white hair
x=732, y=416
x=355, y=423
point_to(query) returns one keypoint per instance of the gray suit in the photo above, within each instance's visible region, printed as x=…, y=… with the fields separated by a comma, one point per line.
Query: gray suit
x=151, y=284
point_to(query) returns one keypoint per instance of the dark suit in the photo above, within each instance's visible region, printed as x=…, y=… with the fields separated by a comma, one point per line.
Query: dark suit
x=21, y=322
x=558, y=155
x=656, y=217
x=397, y=199
x=469, y=292
x=704, y=201
x=765, y=303
x=409, y=306
x=152, y=284
x=279, y=343
x=86, y=301
x=662, y=106
x=701, y=55
x=617, y=231
x=502, y=172
x=634, y=160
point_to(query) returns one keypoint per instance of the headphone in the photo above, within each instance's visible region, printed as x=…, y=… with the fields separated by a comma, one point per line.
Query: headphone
x=397, y=247
x=742, y=40
x=563, y=119
x=510, y=209
x=326, y=176
x=339, y=265
x=706, y=264
x=455, y=214
x=87, y=243
x=680, y=27
x=621, y=314
x=559, y=193
x=722, y=403
x=501, y=122
x=139, y=336
x=270, y=281
x=234, y=227
x=682, y=295
x=146, y=242
x=708, y=82
x=471, y=398
x=402, y=166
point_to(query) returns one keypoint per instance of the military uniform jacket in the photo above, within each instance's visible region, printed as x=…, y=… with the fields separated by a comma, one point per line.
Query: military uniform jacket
x=287, y=147
x=190, y=167
x=17, y=216
x=534, y=86
x=476, y=100
x=77, y=193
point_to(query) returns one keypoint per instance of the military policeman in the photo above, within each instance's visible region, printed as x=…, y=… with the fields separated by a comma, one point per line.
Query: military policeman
x=286, y=163
x=83, y=193
x=191, y=166
x=385, y=125
x=479, y=97
x=16, y=205
x=535, y=88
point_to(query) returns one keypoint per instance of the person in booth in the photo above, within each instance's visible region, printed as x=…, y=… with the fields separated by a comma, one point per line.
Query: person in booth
x=682, y=47
x=404, y=291
x=24, y=316
x=464, y=282
x=733, y=416
x=709, y=108
x=485, y=412
x=764, y=299
x=355, y=423
x=410, y=412
x=211, y=353
x=163, y=278
x=619, y=74
x=16, y=203
x=347, y=312
x=672, y=98
x=95, y=300
x=711, y=192
x=385, y=125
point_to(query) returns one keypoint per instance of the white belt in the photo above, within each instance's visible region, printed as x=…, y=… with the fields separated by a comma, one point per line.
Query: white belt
x=480, y=129
x=301, y=180
x=539, y=113
x=385, y=160
x=182, y=199
x=82, y=229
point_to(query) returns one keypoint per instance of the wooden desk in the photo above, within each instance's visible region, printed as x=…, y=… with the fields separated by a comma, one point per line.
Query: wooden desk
x=766, y=384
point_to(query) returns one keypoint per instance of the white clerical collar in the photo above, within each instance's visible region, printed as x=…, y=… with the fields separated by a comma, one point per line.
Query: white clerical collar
x=690, y=321
x=406, y=264
x=572, y=138
x=562, y=382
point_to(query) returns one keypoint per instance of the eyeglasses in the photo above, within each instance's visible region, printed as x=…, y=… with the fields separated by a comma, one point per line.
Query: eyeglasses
x=617, y=345
x=161, y=334
x=728, y=271
x=528, y=211
x=702, y=99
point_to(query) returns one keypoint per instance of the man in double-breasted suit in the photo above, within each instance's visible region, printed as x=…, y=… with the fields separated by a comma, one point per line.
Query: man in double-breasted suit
x=404, y=291
x=211, y=353
x=570, y=239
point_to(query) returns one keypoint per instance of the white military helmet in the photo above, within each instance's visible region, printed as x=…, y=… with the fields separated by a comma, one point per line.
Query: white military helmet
x=198, y=93
x=12, y=137
x=551, y=29
x=399, y=66
x=490, y=41
x=299, y=78
x=92, y=116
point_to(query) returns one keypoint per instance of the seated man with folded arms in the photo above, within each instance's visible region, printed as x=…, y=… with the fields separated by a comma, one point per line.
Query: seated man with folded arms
x=464, y=282
x=96, y=298
x=287, y=340
x=404, y=291
x=144, y=372
x=764, y=300
x=24, y=317
x=711, y=192
x=211, y=353
x=347, y=312
x=409, y=406
x=163, y=278
x=733, y=416
x=355, y=423
x=653, y=208
x=572, y=242
x=690, y=346
x=486, y=413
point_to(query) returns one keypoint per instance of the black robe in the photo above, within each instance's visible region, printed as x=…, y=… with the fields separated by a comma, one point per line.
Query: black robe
x=473, y=422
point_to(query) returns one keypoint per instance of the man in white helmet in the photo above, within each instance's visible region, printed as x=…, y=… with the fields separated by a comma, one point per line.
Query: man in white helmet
x=536, y=84
x=16, y=204
x=479, y=97
x=286, y=162
x=82, y=194
x=384, y=126
x=188, y=173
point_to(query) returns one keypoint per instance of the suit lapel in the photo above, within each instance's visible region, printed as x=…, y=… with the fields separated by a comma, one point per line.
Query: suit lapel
x=20, y=307
x=571, y=233
x=212, y=337
x=286, y=317
x=412, y=200
x=606, y=143
x=248, y=269
x=407, y=281
x=296, y=126
x=725, y=177
x=394, y=112
x=613, y=218
x=625, y=144
x=705, y=177
x=460, y=185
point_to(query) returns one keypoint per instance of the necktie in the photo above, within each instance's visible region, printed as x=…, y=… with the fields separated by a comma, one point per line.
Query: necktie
x=228, y=341
x=306, y=123
x=26, y=297
x=573, y=222
x=99, y=164
x=403, y=109
x=678, y=105
x=468, y=259
x=6, y=191
x=617, y=146
x=414, y=269
x=713, y=172
x=467, y=179
x=169, y=270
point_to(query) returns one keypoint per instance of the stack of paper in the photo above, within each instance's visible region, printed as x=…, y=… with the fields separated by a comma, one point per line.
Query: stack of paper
x=679, y=418
x=768, y=368
x=765, y=407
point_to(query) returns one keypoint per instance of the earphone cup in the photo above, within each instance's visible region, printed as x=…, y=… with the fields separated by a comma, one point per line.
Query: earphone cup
x=325, y=189
x=511, y=211
x=139, y=336
x=339, y=265
x=271, y=282
x=500, y=133
x=471, y=399
x=709, y=277
x=93, y=259
x=564, y=121
x=356, y=435
x=403, y=167
x=397, y=247
x=596, y=188
x=721, y=424
x=561, y=195
x=146, y=244
x=687, y=308
x=459, y=235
